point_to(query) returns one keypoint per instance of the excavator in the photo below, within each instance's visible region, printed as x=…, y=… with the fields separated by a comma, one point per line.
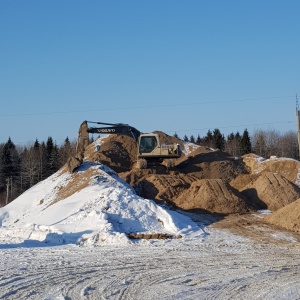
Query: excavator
x=149, y=149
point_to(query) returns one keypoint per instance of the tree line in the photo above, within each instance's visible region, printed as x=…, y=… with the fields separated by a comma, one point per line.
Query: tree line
x=23, y=167
x=264, y=143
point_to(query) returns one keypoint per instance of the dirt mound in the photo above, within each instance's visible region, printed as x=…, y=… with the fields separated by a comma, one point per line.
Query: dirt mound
x=289, y=168
x=116, y=151
x=165, y=187
x=287, y=217
x=207, y=164
x=213, y=195
x=270, y=190
x=168, y=139
x=135, y=176
x=242, y=180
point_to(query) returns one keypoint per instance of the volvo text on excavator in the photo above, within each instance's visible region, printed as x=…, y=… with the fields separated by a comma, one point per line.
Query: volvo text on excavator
x=149, y=148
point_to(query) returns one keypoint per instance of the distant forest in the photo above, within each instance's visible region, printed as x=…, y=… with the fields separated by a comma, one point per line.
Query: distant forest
x=23, y=167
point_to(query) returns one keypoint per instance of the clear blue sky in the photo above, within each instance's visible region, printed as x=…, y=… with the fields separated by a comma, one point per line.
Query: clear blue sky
x=184, y=66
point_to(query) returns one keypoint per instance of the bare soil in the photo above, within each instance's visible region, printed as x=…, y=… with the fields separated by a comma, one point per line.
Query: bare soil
x=257, y=227
x=212, y=195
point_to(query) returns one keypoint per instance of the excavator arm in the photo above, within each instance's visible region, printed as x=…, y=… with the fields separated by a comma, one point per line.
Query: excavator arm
x=119, y=128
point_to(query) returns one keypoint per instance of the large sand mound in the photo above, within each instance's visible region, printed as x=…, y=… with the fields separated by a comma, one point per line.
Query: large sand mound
x=289, y=168
x=213, y=195
x=270, y=190
x=207, y=164
x=287, y=217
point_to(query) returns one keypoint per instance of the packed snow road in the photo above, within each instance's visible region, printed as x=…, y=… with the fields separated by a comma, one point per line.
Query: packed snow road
x=217, y=265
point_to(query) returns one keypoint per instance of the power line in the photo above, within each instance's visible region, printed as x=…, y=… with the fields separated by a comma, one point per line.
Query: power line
x=187, y=130
x=146, y=107
x=233, y=126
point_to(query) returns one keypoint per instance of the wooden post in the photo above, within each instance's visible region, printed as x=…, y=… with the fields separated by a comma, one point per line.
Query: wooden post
x=298, y=124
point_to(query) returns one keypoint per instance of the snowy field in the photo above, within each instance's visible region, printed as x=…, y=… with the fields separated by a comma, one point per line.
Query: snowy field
x=66, y=238
x=217, y=266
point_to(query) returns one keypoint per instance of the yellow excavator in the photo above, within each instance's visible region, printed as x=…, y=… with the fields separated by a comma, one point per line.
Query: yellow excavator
x=150, y=150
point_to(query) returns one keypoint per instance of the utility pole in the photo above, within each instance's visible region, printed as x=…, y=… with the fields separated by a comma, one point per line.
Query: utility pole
x=7, y=190
x=298, y=122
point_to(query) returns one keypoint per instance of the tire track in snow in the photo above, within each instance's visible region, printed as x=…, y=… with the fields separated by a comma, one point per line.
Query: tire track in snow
x=187, y=269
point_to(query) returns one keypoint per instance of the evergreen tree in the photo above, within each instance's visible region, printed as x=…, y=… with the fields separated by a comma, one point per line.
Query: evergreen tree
x=198, y=140
x=175, y=135
x=185, y=139
x=208, y=139
x=43, y=161
x=9, y=168
x=245, y=143
x=65, y=152
x=53, y=163
x=36, y=145
x=192, y=139
x=51, y=157
x=218, y=139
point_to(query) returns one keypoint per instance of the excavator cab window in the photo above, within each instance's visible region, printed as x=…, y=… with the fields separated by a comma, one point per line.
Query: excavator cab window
x=147, y=144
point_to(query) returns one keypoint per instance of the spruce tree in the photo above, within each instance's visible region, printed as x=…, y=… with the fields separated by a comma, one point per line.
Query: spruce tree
x=192, y=139
x=245, y=143
x=9, y=167
x=208, y=139
x=185, y=139
x=218, y=139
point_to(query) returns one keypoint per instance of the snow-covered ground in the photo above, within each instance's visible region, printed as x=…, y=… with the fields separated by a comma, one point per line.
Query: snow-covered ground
x=216, y=266
x=66, y=238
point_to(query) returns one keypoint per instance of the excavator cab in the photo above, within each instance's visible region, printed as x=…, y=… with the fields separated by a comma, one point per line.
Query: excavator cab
x=147, y=143
x=149, y=147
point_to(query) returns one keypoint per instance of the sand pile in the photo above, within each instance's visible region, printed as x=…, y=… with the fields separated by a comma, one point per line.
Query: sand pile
x=287, y=217
x=289, y=168
x=164, y=186
x=208, y=164
x=213, y=195
x=116, y=151
x=268, y=190
x=242, y=180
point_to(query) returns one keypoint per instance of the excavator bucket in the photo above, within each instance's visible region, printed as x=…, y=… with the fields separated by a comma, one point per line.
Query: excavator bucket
x=82, y=143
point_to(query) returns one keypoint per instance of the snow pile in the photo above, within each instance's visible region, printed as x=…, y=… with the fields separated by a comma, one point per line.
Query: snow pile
x=91, y=206
x=189, y=147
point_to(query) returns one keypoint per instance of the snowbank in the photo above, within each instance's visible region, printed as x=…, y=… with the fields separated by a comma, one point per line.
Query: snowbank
x=91, y=206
